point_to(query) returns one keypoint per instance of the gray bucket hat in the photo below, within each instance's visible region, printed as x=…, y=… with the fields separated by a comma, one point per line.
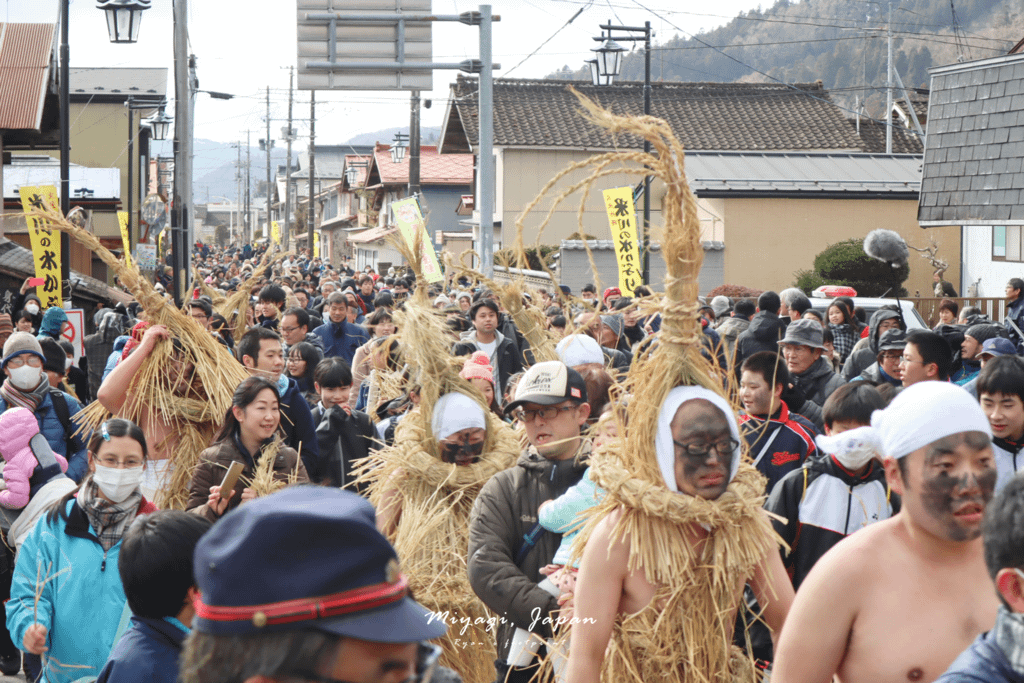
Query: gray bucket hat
x=804, y=332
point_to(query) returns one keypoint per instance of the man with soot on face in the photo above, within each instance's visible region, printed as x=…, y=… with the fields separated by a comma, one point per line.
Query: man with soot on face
x=898, y=601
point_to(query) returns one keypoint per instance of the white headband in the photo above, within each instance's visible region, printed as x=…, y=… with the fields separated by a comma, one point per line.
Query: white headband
x=454, y=412
x=925, y=412
x=663, y=443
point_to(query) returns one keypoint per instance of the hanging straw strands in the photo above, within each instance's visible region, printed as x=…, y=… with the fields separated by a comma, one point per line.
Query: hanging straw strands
x=435, y=498
x=216, y=298
x=682, y=635
x=191, y=405
x=264, y=479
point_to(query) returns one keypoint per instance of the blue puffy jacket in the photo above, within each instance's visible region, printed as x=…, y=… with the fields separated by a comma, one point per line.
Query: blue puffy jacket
x=53, y=431
x=341, y=339
x=983, y=662
x=148, y=651
x=80, y=605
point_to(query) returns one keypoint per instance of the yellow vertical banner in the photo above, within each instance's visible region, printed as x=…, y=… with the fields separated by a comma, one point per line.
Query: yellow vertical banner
x=275, y=232
x=122, y=219
x=618, y=203
x=410, y=222
x=45, y=241
x=316, y=245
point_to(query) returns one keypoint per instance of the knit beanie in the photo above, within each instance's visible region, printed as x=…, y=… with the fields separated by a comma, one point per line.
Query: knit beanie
x=614, y=322
x=53, y=356
x=720, y=304
x=983, y=331
x=478, y=366
x=6, y=327
x=21, y=342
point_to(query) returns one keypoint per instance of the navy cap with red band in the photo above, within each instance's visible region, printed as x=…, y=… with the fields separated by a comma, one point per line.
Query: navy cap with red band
x=306, y=557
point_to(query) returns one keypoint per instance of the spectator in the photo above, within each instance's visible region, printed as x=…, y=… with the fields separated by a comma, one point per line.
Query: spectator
x=888, y=369
x=948, y=311
x=863, y=356
x=765, y=329
x=992, y=348
x=844, y=330
x=793, y=303
x=926, y=357
x=732, y=327
x=1001, y=395
x=366, y=293
x=55, y=321
x=811, y=374
x=155, y=565
x=339, y=337
x=201, y=311
x=302, y=361
x=499, y=349
x=970, y=349
x=942, y=288
x=344, y=435
x=1015, y=312
x=272, y=300
x=295, y=329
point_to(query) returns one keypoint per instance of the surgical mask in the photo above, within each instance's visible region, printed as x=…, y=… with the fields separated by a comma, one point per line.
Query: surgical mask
x=115, y=483
x=31, y=309
x=68, y=362
x=26, y=377
x=853, y=448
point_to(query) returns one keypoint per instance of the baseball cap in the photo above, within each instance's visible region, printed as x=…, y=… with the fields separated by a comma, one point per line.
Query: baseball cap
x=805, y=333
x=549, y=383
x=893, y=340
x=997, y=346
x=306, y=557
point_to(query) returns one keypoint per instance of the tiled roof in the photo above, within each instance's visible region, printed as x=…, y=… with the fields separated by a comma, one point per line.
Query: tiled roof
x=919, y=101
x=704, y=116
x=904, y=141
x=435, y=169
x=26, y=56
x=118, y=82
x=974, y=152
x=373, y=234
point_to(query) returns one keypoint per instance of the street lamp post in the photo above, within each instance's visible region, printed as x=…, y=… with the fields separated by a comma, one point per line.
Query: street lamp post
x=603, y=70
x=159, y=125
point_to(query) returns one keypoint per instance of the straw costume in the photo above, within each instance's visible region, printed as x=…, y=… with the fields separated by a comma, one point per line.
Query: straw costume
x=191, y=419
x=432, y=534
x=683, y=635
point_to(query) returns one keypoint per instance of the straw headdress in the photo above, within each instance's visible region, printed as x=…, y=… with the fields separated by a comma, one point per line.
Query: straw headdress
x=432, y=533
x=191, y=419
x=683, y=635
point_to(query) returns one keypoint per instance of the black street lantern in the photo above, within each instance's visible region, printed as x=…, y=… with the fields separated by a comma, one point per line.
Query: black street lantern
x=351, y=175
x=609, y=60
x=123, y=19
x=398, y=149
x=160, y=124
x=595, y=76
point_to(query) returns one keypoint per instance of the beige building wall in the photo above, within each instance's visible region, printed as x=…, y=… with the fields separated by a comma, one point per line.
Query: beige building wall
x=768, y=240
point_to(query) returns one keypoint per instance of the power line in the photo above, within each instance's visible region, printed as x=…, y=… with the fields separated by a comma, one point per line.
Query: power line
x=550, y=38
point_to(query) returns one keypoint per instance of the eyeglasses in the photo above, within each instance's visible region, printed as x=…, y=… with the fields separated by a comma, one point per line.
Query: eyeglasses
x=702, y=448
x=114, y=462
x=906, y=361
x=288, y=330
x=546, y=414
x=451, y=451
x=296, y=360
x=20, y=361
x=892, y=356
x=427, y=656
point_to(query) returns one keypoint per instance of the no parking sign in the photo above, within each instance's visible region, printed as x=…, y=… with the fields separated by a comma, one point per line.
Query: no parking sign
x=76, y=332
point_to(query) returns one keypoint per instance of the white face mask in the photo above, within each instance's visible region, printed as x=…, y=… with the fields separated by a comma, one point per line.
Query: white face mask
x=31, y=309
x=117, y=484
x=853, y=448
x=26, y=377
x=68, y=362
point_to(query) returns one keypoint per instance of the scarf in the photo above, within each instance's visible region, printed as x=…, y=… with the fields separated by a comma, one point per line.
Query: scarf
x=109, y=520
x=16, y=398
x=1009, y=635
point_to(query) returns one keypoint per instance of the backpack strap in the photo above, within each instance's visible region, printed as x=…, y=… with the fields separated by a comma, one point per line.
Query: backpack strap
x=60, y=407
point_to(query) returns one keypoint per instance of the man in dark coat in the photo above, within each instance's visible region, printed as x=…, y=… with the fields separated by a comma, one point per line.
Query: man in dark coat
x=765, y=329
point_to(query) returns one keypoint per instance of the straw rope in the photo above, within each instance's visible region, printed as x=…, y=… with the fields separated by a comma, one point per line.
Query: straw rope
x=685, y=634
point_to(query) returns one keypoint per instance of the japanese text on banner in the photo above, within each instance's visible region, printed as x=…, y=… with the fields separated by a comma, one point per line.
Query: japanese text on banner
x=275, y=232
x=45, y=241
x=410, y=222
x=618, y=202
x=122, y=219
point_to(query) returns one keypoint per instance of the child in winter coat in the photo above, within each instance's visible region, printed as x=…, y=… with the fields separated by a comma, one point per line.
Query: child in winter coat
x=18, y=428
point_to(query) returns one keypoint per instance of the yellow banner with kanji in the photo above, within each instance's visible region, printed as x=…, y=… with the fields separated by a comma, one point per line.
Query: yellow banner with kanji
x=316, y=245
x=122, y=219
x=410, y=222
x=618, y=202
x=45, y=241
x=275, y=232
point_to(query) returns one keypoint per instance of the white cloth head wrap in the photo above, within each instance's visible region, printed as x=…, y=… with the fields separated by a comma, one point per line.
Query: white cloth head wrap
x=663, y=446
x=926, y=412
x=579, y=349
x=454, y=412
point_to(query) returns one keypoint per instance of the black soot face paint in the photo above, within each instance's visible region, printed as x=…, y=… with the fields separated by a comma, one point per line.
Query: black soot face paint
x=957, y=502
x=702, y=424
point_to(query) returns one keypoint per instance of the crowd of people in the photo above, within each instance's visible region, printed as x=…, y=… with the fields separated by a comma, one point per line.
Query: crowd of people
x=837, y=497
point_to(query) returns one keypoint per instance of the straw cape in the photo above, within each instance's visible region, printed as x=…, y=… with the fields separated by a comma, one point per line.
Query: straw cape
x=191, y=419
x=432, y=533
x=683, y=635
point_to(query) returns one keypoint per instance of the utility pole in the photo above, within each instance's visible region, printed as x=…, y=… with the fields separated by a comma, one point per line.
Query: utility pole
x=311, y=212
x=238, y=193
x=485, y=174
x=888, y=88
x=248, y=193
x=270, y=146
x=288, y=165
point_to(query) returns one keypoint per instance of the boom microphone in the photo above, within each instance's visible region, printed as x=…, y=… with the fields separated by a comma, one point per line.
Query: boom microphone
x=888, y=246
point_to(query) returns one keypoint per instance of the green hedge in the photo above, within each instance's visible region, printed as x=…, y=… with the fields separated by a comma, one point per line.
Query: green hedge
x=845, y=263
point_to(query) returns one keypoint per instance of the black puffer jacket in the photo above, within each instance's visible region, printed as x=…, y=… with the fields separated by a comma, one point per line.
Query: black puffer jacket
x=504, y=512
x=816, y=384
x=763, y=334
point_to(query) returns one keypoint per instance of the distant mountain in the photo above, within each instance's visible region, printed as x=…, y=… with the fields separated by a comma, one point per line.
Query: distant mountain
x=214, y=163
x=802, y=42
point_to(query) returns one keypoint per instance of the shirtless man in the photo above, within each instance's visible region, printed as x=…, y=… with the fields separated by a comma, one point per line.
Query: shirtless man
x=160, y=434
x=898, y=601
x=706, y=456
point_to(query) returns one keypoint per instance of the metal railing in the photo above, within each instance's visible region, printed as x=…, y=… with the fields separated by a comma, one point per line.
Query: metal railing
x=928, y=307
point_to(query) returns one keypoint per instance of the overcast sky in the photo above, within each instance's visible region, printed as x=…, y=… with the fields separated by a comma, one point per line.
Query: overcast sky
x=242, y=47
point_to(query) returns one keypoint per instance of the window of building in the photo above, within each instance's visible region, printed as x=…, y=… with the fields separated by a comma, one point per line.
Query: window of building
x=1008, y=243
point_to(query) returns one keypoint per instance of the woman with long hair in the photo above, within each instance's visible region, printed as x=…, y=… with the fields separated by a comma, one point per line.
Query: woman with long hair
x=302, y=361
x=380, y=324
x=247, y=436
x=844, y=329
x=66, y=597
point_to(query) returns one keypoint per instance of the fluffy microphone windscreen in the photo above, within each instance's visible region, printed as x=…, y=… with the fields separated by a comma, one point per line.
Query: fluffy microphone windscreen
x=886, y=245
